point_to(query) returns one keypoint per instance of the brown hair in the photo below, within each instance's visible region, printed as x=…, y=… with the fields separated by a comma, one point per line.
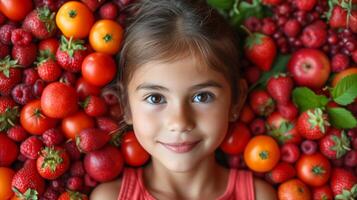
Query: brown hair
x=168, y=30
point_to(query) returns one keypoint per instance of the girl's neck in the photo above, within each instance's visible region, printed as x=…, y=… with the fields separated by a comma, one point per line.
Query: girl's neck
x=208, y=179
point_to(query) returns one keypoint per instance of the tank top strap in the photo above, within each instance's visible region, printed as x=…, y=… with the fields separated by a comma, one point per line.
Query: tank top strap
x=129, y=185
x=245, y=185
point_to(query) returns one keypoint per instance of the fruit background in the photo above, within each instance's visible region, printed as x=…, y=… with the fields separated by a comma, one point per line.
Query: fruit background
x=60, y=115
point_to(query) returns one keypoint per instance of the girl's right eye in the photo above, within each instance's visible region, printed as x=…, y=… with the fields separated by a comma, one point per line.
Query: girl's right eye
x=155, y=99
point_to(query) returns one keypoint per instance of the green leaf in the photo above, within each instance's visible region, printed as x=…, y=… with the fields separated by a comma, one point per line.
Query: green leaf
x=306, y=99
x=221, y=4
x=279, y=66
x=345, y=91
x=341, y=118
x=245, y=10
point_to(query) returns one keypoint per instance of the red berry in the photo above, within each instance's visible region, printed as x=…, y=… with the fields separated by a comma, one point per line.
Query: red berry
x=257, y=126
x=52, y=137
x=21, y=37
x=4, y=50
x=305, y=4
x=5, y=33
x=308, y=147
x=22, y=93
x=17, y=133
x=30, y=76
x=31, y=147
x=288, y=110
x=268, y=27
x=109, y=11
x=350, y=159
x=75, y=183
x=313, y=36
x=339, y=62
x=290, y=152
x=8, y=151
x=25, y=55
x=261, y=102
x=72, y=150
x=292, y=28
x=77, y=169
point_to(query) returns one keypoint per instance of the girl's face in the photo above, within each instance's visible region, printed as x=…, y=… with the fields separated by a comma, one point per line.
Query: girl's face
x=179, y=111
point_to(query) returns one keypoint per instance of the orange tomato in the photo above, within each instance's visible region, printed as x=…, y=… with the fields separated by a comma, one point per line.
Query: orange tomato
x=262, y=153
x=74, y=124
x=74, y=19
x=6, y=175
x=294, y=189
x=342, y=74
x=106, y=36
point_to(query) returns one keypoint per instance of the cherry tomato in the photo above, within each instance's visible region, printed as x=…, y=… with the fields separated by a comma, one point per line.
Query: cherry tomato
x=98, y=69
x=134, y=154
x=74, y=124
x=85, y=89
x=33, y=120
x=262, y=153
x=16, y=10
x=106, y=36
x=236, y=139
x=74, y=19
x=313, y=169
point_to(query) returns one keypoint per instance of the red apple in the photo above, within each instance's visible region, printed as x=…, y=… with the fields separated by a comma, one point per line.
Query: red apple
x=309, y=67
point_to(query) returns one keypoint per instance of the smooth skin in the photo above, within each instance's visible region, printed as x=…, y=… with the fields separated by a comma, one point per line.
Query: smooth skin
x=181, y=101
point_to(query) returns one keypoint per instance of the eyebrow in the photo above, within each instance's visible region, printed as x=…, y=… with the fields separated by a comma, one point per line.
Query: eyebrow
x=150, y=86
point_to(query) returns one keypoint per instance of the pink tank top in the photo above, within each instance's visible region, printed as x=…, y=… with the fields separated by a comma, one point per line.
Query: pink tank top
x=240, y=186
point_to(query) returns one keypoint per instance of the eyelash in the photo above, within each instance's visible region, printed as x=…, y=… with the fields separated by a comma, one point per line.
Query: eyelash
x=210, y=96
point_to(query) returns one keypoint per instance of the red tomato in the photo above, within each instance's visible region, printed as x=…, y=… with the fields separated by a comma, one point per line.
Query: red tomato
x=85, y=89
x=74, y=124
x=33, y=120
x=16, y=10
x=98, y=69
x=313, y=169
x=134, y=154
x=236, y=139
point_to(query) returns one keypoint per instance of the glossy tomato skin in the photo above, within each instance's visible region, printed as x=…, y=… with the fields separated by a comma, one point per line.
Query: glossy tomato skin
x=236, y=139
x=74, y=19
x=134, y=154
x=106, y=36
x=262, y=153
x=74, y=124
x=33, y=120
x=16, y=10
x=313, y=169
x=98, y=69
x=85, y=89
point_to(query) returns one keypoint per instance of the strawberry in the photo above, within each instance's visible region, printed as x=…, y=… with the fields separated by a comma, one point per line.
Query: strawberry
x=323, y=192
x=289, y=110
x=8, y=151
x=91, y=139
x=282, y=172
x=9, y=113
x=47, y=68
x=50, y=44
x=312, y=124
x=17, y=133
x=343, y=184
x=283, y=130
x=94, y=106
x=338, y=17
x=107, y=124
x=70, y=54
x=27, y=178
x=271, y=2
x=52, y=162
x=279, y=87
x=25, y=55
x=261, y=50
x=31, y=147
x=335, y=144
x=261, y=102
x=69, y=195
x=75, y=183
x=353, y=21
x=5, y=33
x=30, y=76
x=40, y=22
x=10, y=75
x=93, y=4
x=305, y=5
x=4, y=50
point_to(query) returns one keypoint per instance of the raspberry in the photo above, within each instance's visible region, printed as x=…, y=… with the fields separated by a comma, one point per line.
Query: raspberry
x=339, y=62
x=75, y=183
x=52, y=137
x=30, y=76
x=77, y=169
x=72, y=150
x=5, y=33
x=17, y=133
x=21, y=37
x=22, y=93
x=4, y=50
x=31, y=147
x=25, y=55
x=109, y=11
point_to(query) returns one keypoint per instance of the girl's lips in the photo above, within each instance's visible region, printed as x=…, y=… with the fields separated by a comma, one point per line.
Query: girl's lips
x=180, y=147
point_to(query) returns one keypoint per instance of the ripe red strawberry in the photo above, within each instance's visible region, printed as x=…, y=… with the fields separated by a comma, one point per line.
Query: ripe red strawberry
x=289, y=110
x=93, y=4
x=343, y=184
x=25, y=55
x=94, y=106
x=31, y=147
x=20, y=36
x=282, y=172
x=17, y=133
x=313, y=124
x=69, y=195
x=322, y=192
x=4, y=50
x=70, y=54
x=279, y=87
x=283, y=130
x=107, y=124
x=305, y=5
x=335, y=144
x=261, y=50
x=8, y=113
x=352, y=21
x=10, y=75
x=47, y=68
x=91, y=139
x=40, y=22
x=52, y=162
x=8, y=151
x=272, y=2
x=50, y=44
x=261, y=102
x=28, y=178
x=338, y=18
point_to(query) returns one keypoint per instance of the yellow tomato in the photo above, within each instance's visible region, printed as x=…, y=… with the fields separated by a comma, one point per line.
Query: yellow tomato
x=106, y=36
x=74, y=19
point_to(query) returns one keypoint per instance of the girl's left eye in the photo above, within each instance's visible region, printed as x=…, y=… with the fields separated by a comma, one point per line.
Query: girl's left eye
x=204, y=97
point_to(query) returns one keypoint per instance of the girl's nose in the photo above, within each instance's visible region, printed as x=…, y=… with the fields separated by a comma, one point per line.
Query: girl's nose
x=180, y=120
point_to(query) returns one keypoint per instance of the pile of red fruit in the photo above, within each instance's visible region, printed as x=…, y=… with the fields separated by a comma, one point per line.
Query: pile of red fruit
x=59, y=124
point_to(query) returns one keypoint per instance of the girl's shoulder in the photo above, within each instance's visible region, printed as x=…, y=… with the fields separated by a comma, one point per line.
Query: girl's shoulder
x=263, y=190
x=108, y=191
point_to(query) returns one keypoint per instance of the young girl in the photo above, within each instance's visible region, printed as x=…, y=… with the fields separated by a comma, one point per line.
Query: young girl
x=180, y=88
